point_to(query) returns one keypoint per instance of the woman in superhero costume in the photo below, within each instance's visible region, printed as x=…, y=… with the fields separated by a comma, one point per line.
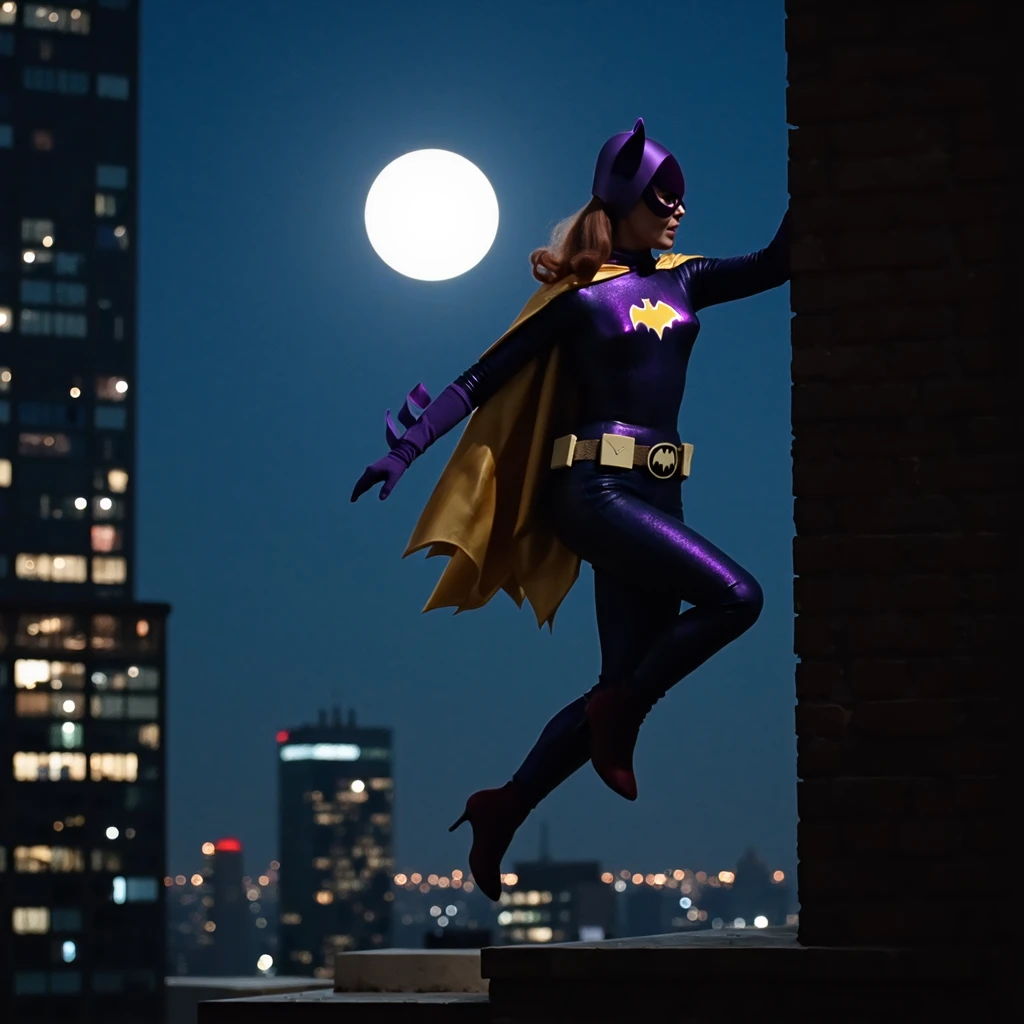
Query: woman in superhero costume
x=572, y=453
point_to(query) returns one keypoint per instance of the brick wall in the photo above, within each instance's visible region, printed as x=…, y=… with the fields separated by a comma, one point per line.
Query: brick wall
x=906, y=372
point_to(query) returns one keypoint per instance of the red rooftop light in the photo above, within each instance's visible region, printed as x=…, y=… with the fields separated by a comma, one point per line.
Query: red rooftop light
x=228, y=846
x=282, y=736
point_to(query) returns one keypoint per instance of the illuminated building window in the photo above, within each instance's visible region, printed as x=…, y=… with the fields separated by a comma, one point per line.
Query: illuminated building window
x=56, y=675
x=6, y=136
x=149, y=736
x=109, y=570
x=105, y=205
x=111, y=389
x=291, y=919
x=66, y=735
x=142, y=707
x=106, y=629
x=117, y=481
x=106, y=860
x=56, y=19
x=47, y=446
x=8, y=12
x=51, y=568
x=44, y=323
x=111, y=176
x=37, y=230
x=107, y=508
x=113, y=767
x=48, y=705
x=5, y=473
x=3, y=859
x=69, y=264
x=48, y=859
x=379, y=784
x=42, y=140
x=52, y=766
x=135, y=677
x=110, y=417
x=35, y=257
x=105, y=538
x=112, y=87
x=37, y=292
x=107, y=705
x=108, y=237
x=142, y=890
x=50, y=632
x=30, y=920
x=70, y=293
x=68, y=83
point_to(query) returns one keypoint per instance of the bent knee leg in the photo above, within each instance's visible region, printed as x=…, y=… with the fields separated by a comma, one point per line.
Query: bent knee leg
x=744, y=602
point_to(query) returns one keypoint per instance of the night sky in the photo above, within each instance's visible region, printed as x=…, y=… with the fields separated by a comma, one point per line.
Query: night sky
x=272, y=338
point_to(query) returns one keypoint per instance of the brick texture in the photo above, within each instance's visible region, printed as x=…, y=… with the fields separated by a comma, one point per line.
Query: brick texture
x=906, y=455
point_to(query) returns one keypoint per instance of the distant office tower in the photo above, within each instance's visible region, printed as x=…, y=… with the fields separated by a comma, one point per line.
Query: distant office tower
x=81, y=663
x=335, y=814
x=645, y=911
x=557, y=902
x=227, y=911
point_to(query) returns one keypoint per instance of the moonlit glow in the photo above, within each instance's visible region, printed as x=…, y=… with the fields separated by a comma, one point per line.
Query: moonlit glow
x=431, y=215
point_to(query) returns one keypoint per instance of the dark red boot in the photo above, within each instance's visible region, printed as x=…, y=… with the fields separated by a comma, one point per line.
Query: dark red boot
x=614, y=716
x=494, y=815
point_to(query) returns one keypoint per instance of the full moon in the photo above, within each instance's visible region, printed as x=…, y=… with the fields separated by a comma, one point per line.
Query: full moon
x=431, y=215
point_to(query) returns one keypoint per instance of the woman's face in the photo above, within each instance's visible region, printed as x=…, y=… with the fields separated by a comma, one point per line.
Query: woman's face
x=644, y=229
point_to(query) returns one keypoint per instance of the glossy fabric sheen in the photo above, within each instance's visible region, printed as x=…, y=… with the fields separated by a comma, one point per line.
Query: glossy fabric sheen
x=631, y=376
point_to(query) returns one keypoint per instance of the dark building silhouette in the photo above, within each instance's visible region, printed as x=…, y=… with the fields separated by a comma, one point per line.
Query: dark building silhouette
x=230, y=951
x=335, y=814
x=82, y=833
x=644, y=911
x=755, y=896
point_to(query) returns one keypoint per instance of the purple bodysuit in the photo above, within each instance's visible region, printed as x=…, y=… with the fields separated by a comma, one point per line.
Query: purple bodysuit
x=627, y=523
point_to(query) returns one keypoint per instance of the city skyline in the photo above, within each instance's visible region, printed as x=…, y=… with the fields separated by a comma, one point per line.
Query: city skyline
x=82, y=661
x=266, y=368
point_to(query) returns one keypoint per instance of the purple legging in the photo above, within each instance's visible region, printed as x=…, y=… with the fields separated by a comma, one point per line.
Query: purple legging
x=629, y=527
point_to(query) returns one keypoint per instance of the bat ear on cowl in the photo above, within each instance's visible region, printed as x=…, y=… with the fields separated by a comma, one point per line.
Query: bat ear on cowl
x=627, y=162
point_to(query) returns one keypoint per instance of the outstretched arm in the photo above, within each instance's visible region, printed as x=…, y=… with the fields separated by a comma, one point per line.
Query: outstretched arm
x=711, y=281
x=467, y=392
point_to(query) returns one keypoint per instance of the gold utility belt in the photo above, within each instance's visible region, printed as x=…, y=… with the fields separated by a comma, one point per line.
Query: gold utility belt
x=663, y=460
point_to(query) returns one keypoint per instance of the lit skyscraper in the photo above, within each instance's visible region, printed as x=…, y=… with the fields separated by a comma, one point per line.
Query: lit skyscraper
x=82, y=663
x=335, y=806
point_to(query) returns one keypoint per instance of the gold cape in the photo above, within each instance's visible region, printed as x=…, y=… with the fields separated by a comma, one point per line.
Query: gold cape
x=481, y=513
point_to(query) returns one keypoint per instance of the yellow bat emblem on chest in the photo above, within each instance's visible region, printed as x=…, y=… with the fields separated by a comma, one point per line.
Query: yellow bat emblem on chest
x=658, y=317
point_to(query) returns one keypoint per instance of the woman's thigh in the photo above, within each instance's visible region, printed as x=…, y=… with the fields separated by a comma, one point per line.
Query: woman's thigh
x=641, y=546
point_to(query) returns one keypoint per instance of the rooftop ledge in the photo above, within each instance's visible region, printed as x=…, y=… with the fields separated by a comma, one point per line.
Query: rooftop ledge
x=594, y=982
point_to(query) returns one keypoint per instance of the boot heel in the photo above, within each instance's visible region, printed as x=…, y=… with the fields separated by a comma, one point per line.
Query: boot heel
x=452, y=828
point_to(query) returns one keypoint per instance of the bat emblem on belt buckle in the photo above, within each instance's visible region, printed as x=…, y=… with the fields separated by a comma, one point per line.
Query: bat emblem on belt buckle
x=663, y=460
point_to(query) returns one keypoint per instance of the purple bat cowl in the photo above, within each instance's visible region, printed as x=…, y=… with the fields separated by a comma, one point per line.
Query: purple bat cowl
x=629, y=166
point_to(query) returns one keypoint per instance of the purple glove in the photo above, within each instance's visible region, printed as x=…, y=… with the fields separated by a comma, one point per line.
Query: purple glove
x=450, y=407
